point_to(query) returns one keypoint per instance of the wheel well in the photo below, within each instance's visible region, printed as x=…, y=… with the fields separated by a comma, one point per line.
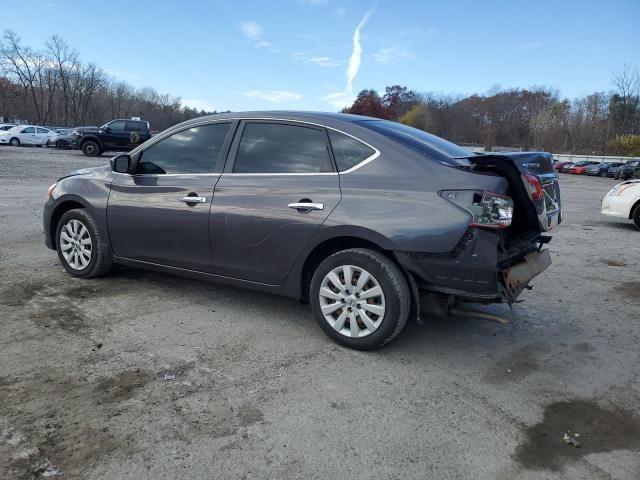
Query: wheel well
x=57, y=215
x=328, y=248
x=633, y=209
x=90, y=139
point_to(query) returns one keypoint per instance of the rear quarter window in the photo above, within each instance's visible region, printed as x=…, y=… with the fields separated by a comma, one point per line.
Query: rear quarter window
x=348, y=151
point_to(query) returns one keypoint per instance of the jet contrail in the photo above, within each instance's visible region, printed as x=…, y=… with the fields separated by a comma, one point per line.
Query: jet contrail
x=356, y=55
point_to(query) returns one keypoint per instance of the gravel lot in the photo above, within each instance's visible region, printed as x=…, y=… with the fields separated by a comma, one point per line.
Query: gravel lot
x=260, y=392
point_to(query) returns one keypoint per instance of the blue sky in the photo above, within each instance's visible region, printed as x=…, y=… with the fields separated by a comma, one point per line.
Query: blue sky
x=306, y=54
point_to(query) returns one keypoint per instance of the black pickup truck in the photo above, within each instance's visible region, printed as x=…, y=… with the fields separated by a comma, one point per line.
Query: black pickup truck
x=117, y=135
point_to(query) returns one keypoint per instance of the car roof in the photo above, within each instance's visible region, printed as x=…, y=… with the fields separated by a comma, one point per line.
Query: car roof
x=323, y=118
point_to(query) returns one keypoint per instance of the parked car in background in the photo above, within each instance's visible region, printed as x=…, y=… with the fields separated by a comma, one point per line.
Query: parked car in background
x=117, y=136
x=26, y=135
x=291, y=203
x=623, y=201
x=6, y=126
x=563, y=167
x=600, y=169
x=580, y=168
x=631, y=169
x=62, y=139
x=613, y=172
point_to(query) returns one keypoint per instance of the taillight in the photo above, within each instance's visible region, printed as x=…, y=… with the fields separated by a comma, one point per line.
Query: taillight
x=534, y=186
x=488, y=209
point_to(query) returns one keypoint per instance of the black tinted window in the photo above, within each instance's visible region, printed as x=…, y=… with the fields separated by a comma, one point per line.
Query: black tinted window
x=117, y=126
x=195, y=150
x=429, y=145
x=278, y=148
x=347, y=151
x=136, y=126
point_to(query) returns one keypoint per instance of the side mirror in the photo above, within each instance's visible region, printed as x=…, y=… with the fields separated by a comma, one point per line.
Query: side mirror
x=121, y=164
x=107, y=129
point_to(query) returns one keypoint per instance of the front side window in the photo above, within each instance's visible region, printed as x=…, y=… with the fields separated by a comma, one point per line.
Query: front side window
x=29, y=130
x=280, y=148
x=347, y=151
x=117, y=126
x=194, y=150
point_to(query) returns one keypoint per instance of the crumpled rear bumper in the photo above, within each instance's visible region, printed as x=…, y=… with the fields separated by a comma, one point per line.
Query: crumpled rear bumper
x=476, y=270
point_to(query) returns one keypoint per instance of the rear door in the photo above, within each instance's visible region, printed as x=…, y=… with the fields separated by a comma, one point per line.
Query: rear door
x=138, y=133
x=42, y=135
x=161, y=214
x=273, y=196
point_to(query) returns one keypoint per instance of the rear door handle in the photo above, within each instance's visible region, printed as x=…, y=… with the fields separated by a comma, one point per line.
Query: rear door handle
x=307, y=206
x=194, y=199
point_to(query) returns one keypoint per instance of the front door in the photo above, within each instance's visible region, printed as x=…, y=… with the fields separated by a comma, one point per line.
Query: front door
x=28, y=136
x=115, y=135
x=271, y=199
x=161, y=214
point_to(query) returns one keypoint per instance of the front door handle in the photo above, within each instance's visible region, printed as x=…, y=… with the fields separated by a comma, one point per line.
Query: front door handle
x=194, y=199
x=306, y=206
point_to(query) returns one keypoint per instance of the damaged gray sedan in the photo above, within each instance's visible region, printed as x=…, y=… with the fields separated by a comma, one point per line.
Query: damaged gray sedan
x=371, y=222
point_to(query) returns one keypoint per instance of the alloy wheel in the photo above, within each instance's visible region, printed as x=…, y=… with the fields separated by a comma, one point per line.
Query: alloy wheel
x=76, y=244
x=352, y=301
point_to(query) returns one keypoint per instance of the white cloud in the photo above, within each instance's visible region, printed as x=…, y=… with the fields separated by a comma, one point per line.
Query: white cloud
x=253, y=31
x=391, y=55
x=339, y=99
x=356, y=54
x=275, y=96
x=199, y=104
x=321, y=61
x=121, y=74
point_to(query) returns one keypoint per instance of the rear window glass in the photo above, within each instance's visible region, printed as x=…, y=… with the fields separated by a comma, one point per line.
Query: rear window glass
x=347, y=151
x=429, y=145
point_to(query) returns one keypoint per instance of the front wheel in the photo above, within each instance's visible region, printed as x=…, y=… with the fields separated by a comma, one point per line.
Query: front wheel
x=636, y=217
x=14, y=142
x=62, y=144
x=91, y=148
x=360, y=298
x=80, y=245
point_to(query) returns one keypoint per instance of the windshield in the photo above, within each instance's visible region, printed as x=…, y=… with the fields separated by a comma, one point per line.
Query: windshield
x=634, y=163
x=429, y=145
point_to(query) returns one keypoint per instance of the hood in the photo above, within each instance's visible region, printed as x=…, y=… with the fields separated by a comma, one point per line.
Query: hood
x=87, y=171
x=86, y=129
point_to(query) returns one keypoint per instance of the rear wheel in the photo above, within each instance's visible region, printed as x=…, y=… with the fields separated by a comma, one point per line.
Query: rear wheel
x=360, y=298
x=636, y=217
x=80, y=245
x=91, y=148
x=14, y=142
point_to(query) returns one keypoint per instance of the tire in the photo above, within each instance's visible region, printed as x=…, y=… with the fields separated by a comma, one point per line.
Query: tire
x=14, y=142
x=88, y=238
x=636, y=217
x=62, y=144
x=91, y=149
x=603, y=174
x=393, y=303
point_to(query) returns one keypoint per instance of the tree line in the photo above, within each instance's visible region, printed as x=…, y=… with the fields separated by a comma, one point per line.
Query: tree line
x=529, y=119
x=52, y=86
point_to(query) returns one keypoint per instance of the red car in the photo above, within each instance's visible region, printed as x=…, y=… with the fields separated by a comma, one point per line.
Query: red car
x=580, y=168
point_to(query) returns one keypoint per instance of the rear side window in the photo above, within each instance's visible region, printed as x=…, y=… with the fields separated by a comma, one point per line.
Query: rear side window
x=280, y=148
x=42, y=130
x=195, y=150
x=136, y=127
x=347, y=151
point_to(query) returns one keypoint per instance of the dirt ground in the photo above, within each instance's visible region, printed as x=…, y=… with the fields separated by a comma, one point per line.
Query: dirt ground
x=260, y=392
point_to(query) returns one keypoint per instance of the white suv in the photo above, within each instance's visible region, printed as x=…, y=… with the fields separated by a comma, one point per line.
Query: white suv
x=623, y=201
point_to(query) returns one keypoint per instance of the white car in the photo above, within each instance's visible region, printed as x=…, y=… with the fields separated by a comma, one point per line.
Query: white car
x=26, y=135
x=623, y=201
